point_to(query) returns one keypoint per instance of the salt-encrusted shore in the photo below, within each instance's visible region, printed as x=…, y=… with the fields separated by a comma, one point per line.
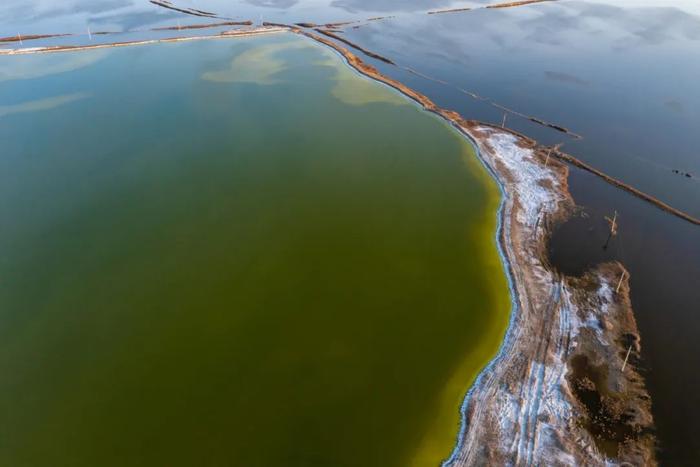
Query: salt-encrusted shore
x=556, y=392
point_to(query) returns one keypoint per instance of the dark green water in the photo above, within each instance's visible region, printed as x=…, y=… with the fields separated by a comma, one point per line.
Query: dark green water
x=235, y=252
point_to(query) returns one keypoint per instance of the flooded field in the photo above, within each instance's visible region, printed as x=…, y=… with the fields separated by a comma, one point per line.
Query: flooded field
x=224, y=252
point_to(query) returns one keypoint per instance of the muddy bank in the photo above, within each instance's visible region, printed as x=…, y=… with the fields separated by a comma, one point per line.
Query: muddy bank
x=556, y=392
x=516, y=4
x=527, y=405
x=354, y=46
x=497, y=5
x=538, y=402
x=451, y=10
x=187, y=11
x=30, y=37
x=72, y=48
x=372, y=72
x=204, y=26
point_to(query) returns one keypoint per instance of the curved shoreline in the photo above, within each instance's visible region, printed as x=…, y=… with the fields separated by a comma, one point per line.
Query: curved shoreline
x=502, y=238
x=529, y=404
x=524, y=405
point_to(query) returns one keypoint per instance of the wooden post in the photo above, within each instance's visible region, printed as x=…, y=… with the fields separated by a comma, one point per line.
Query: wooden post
x=613, y=224
x=537, y=223
x=624, y=364
x=613, y=229
x=622, y=277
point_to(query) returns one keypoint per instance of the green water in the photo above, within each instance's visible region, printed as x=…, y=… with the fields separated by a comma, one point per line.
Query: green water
x=235, y=252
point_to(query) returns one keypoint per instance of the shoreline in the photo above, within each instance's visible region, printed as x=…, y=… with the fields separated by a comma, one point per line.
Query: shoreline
x=72, y=48
x=534, y=401
x=531, y=403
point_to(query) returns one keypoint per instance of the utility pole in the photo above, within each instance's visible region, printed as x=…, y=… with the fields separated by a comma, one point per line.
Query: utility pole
x=613, y=224
x=622, y=277
x=624, y=364
x=19, y=36
x=613, y=229
x=89, y=33
x=503, y=123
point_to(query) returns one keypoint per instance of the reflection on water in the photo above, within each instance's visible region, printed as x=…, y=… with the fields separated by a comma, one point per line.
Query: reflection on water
x=622, y=73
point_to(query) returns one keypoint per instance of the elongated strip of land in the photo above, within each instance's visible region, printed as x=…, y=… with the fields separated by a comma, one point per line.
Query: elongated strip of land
x=564, y=387
x=537, y=402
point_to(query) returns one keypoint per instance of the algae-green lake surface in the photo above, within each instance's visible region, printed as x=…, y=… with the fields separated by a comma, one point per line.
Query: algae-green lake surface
x=235, y=252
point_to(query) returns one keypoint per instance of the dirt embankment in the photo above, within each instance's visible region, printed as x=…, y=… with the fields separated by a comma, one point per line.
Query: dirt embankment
x=72, y=48
x=515, y=4
x=563, y=389
x=556, y=394
x=187, y=11
x=369, y=53
x=204, y=26
x=497, y=5
x=455, y=118
x=30, y=37
x=451, y=10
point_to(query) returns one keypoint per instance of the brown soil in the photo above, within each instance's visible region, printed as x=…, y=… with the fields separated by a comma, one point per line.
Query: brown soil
x=204, y=26
x=331, y=34
x=515, y=4
x=542, y=335
x=614, y=406
x=451, y=10
x=30, y=37
x=187, y=11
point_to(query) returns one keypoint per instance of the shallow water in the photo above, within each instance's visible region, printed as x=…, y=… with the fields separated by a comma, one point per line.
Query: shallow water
x=235, y=252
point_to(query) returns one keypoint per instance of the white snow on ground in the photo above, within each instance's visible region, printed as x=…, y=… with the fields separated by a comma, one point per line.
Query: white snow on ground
x=532, y=416
x=528, y=176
